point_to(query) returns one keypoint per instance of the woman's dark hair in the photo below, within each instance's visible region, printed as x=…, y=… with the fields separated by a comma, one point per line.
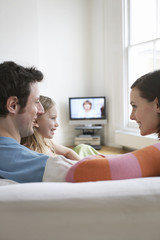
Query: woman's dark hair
x=149, y=87
x=16, y=80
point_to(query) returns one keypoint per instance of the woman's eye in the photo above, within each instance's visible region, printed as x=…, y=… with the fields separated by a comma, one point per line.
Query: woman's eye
x=134, y=106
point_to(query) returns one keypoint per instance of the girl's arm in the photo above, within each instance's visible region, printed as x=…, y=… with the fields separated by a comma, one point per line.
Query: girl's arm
x=66, y=152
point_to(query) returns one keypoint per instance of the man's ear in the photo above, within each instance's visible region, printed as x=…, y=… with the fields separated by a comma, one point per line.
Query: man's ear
x=12, y=104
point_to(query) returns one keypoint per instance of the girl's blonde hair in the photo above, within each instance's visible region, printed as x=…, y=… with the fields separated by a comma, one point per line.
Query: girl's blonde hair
x=36, y=142
x=46, y=102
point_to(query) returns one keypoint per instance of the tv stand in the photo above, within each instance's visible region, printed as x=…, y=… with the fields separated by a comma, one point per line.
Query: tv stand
x=89, y=128
x=88, y=136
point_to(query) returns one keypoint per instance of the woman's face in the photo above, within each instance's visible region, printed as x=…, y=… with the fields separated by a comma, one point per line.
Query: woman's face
x=87, y=106
x=145, y=113
x=47, y=123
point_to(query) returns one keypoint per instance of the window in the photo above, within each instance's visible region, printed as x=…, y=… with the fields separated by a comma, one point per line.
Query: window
x=142, y=34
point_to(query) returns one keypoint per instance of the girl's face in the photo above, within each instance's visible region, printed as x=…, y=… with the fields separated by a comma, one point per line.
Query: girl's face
x=47, y=123
x=145, y=113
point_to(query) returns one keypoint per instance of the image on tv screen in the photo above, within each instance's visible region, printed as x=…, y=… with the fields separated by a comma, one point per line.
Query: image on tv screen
x=87, y=108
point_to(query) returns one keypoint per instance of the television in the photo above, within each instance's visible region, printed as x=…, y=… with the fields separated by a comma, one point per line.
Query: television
x=87, y=111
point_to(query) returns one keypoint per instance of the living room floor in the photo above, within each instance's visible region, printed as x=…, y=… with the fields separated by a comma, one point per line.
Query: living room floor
x=112, y=150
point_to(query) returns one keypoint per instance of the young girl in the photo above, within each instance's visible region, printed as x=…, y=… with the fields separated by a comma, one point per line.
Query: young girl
x=44, y=131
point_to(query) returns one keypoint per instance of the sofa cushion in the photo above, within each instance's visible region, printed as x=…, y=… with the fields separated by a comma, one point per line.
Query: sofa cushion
x=6, y=182
x=141, y=163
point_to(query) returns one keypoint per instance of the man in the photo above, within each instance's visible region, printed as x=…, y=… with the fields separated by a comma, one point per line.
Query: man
x=19, y=106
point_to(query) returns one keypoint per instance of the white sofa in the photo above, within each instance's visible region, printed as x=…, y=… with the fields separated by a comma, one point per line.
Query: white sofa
x=106, y=210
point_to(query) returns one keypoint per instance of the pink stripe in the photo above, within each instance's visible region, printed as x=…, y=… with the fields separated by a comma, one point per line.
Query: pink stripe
x=124, y=166
x=156, y=145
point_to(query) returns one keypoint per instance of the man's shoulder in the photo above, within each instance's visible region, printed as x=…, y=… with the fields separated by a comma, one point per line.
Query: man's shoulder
x=28, y=152
x=14, y=148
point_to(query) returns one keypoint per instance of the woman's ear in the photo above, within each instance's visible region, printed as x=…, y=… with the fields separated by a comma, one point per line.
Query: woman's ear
x=12, y=104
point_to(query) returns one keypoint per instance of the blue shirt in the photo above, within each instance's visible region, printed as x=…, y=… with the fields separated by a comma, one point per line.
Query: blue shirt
x=19, y=163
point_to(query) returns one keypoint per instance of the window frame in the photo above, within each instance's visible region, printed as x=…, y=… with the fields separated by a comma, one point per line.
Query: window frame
x=129, y=124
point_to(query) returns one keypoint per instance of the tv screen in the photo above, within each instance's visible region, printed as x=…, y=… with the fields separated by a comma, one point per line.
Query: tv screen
x=91, y=109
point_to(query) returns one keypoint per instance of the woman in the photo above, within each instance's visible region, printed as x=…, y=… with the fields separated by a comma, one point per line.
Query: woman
x=145, y=102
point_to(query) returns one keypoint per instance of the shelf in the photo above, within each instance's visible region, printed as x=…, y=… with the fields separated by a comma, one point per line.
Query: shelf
x=88, y=127
x=89, y=137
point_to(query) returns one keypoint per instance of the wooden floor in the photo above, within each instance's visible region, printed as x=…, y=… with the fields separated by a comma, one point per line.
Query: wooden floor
x=112, y=150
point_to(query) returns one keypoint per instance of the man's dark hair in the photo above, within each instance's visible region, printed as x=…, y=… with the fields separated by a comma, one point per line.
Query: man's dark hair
x=16, y=80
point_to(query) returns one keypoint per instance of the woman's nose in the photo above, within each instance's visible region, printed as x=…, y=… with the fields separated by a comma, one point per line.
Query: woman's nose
x=132, y=117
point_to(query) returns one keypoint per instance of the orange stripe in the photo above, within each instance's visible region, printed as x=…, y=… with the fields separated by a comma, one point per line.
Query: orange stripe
x=93, y=170
x=149, y=160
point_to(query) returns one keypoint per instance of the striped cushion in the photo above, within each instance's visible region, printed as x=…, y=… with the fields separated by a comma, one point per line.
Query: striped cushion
x=141, y=163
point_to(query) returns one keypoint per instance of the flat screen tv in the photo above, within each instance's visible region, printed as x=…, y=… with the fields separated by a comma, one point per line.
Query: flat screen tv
x=87, y=110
